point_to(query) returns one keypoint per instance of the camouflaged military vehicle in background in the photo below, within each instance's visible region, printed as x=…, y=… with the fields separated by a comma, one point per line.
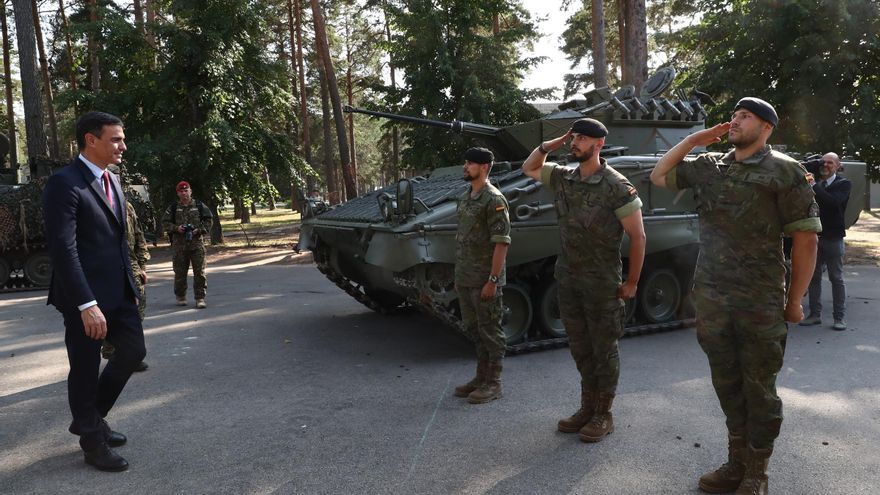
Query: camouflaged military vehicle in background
x=396, y=246
x=24, y=260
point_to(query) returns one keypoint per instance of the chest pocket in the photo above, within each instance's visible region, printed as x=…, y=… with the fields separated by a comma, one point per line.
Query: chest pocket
x=468, y=219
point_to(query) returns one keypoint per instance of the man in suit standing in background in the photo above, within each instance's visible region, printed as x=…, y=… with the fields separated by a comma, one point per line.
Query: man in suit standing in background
x=92, y=283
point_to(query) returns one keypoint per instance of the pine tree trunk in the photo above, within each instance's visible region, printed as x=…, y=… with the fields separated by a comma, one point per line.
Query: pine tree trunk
x=637, y=43
x=245, y=211
x=236, y=209
x=350, y=94
x=600, y=65
x=68, y=46
x=333, y=86
x=47, y=84
x=622, y=16
x=30, y=85
x=139, y=16
x=395, y=134
x=94, y=48
x=253, y=208
x=329, y=168
x=216, y=228
x=10, y=108
x=270, y=201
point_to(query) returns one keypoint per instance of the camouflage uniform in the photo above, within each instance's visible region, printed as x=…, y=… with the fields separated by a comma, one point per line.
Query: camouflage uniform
x=739, y=284
x=589, y=269
x=186, y=252
x=139, y=255
x=482, y=222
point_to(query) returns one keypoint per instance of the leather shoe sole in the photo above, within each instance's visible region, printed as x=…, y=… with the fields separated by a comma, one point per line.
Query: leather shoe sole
x=104, y=459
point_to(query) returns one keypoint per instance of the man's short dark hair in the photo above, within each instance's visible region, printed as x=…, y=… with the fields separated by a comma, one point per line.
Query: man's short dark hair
x=93, y=123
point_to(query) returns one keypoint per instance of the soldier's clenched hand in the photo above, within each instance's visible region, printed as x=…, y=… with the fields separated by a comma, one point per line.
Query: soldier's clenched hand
x=627, y=290
x=488, y=291
x=94, y=322
x=794, y=312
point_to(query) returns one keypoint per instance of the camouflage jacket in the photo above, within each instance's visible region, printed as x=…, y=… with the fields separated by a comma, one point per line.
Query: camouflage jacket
x=137, y=245
x=188, y=214
x=590, y=231
x=745, y=208
x=483, y=221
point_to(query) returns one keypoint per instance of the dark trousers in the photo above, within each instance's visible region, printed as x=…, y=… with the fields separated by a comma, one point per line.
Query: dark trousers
x=91, y=396
x=830, y=256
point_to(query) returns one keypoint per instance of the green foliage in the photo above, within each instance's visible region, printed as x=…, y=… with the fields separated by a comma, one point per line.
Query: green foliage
x=209, y=105
x=817, y=61
x=577, y=44
x=455, y=67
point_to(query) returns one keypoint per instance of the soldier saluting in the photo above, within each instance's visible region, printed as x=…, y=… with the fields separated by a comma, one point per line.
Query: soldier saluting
x=482, y=240
x=747, y=199
x=596, y=205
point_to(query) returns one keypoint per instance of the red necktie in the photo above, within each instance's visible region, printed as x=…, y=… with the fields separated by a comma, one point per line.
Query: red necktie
x=107, y=189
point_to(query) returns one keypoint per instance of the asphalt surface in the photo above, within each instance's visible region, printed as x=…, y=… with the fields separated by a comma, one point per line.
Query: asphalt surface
x=286, y=385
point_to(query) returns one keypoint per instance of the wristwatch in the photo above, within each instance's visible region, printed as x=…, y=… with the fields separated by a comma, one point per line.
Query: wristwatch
x=542, y=150
x=493, y=279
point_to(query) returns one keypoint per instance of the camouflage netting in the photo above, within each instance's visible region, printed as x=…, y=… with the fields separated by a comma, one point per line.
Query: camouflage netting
x=21, y=215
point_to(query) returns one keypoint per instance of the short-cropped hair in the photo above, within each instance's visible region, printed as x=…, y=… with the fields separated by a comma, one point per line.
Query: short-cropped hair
x=93, y=123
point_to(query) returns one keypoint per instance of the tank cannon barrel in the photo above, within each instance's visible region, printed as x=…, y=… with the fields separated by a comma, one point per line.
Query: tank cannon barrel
x=464, y=128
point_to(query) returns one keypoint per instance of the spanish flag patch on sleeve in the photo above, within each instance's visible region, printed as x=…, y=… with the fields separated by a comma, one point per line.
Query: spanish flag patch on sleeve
x=809, y=177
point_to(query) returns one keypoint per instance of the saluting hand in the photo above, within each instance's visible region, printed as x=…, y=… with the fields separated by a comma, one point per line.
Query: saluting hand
x=94, y=322
x=555, y=144
x=709, y=136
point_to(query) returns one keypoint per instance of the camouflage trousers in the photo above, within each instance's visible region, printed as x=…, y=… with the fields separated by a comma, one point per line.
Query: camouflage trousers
x=593, y=328
x=745, y=347
x=184, y=255
x=141, y=291
x=482, y=322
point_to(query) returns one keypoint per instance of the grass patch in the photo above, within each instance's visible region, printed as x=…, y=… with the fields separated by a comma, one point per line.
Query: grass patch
x=278, y=218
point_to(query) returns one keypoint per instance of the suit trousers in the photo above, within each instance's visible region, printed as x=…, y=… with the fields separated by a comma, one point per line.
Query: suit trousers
x=830, y=256
x=91, y=395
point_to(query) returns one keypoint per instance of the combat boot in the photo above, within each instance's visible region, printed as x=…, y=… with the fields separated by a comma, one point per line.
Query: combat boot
x=467, y=388
x=576, y=421
x=755, y=478
x=490, y=389
x=602, y=423
x=727, y=478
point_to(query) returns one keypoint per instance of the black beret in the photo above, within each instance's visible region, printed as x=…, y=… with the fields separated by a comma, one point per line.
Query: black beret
x=760, y=108
x=589, y=127
x=479, y=155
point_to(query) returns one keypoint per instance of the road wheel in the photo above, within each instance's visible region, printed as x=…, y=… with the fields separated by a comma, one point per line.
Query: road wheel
x=516, y=313
x=659, y=296
x=547, y=319
x=5, y=271
x=38, y=269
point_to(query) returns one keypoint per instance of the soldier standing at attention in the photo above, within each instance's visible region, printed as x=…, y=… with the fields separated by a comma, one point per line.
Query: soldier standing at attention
x=139, y=255
x=746, y=199
x=596, y=205
x=482, y=241
x=186, y=222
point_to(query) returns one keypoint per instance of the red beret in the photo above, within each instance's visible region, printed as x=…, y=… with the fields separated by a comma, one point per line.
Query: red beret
x=183, y=185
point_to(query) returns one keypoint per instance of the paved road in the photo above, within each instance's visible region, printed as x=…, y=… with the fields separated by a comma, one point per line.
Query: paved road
x=286, y=385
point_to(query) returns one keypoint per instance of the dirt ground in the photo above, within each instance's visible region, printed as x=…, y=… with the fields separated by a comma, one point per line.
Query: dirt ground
x=863, y=240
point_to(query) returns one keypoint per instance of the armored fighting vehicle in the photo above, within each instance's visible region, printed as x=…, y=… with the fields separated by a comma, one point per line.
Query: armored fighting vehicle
x=396, y=246
x=24, y=260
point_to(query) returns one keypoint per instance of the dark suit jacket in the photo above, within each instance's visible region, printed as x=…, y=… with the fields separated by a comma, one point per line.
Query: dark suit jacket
x=832, y=201
x=87, y=242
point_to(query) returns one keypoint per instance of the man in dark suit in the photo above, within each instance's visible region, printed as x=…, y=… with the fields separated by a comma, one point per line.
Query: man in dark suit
x=832, y=195
x=92, y=283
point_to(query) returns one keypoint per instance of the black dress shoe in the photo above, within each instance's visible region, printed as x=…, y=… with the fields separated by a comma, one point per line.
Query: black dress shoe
x=113, y=438
x=104, y=459
x=142, y=366
x=116, y=439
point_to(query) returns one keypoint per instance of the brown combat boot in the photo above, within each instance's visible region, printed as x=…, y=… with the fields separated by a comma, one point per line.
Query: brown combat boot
x=467, y=388
x=727, y=478
x=490, y=389
x=576, y=421
x=602, y=423
x=755, y=478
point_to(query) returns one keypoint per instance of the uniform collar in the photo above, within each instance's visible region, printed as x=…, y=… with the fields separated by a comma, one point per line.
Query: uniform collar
x=730, y=157
x=467, y=192
x=574, y=174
